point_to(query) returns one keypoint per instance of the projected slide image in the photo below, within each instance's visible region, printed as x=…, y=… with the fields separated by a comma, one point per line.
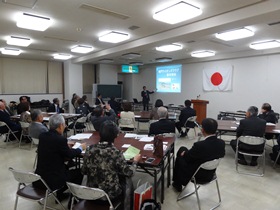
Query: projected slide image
x=168, y=78
x=164, y=84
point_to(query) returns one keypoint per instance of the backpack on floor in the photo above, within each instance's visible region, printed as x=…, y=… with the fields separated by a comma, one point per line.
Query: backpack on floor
x=150, y=204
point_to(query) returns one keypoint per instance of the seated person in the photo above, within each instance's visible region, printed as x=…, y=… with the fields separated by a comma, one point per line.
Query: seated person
x=163, y=125
x=5, y=117
x=114, y=105
x=154, y=115
x=250, y=126
x=90, y=109
x=54, y=107
x=53, y=151
x=82, y=108
x=268, y=114
x=7, y=109
x=188, y=161
x=25, y=114
x=22, y=100
x=105, y=166
x=99, y=116
x=99, y=101
x=185, y=114
x=37, y=127
x=125, y=116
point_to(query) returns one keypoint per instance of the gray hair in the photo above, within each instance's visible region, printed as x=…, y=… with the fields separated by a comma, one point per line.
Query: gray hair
x=35, y=114
x=253, y=110
x=162, y=112
x=55, y=121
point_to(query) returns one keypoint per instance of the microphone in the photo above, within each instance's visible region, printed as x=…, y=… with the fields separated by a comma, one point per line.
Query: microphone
x=197, y=97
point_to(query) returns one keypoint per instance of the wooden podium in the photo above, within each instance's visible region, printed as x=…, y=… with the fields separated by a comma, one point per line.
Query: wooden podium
x=200, y=106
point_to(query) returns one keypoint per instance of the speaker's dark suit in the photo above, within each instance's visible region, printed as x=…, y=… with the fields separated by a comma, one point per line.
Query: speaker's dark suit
x=162, y=126
x=53, y=151
x=185, y=166
x=251, y=126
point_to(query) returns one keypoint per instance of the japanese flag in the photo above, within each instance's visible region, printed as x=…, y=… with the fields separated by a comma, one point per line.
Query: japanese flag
x=217, y=79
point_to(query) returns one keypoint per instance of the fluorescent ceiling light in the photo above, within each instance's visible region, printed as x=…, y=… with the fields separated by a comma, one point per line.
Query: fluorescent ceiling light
x=131, y=55
x=10, y=51
x=33, y=22
x=105, y=60
x=114, y=37
x=61, y=56
x=19, y=41
x=164, y=59
x=202, y=54
x=235, y=34
x=265, y=45
x=136, y=63
x=169, y=47
x=177, y=13
x=82, y=49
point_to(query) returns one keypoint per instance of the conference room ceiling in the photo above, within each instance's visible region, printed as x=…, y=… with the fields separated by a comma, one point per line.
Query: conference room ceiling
x=81, y=21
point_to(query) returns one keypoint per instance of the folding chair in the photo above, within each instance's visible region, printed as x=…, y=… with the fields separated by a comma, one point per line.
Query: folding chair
x=9, y=131
x=24, y=132
x=125, y=125
x=254, y=141
x=191, y=119
x=89, y=194
x=35, y=142
x=276, y=160
x=209, y=165
x=81, y=122
x=27, y=191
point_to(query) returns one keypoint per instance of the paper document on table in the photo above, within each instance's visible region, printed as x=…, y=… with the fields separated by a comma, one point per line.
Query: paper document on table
x=46, y=118
x=233, y=127
x=270, y=124
x=130, y=135
x=147, y=139
x=149, y=147
x=52, y=112
x=131, y=152
x=278, y=131
x=137, y=116
x=139, y=136
x=126, y=145
x=76, y=145
x=80, y=136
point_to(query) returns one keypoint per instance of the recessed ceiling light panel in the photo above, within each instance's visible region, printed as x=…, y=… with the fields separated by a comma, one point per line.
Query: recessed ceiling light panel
x=265, y=44
x=137, y=63
x=131, y=55
x=169, y=47
x=106, y=60
x=235, y=34
x=61, y=56
x=10, y=51
x=177, y=13
x=164, y=59
x=82, y=49
x=114, y=37
x=33, y=22
x=19, y=41
x=202, y=53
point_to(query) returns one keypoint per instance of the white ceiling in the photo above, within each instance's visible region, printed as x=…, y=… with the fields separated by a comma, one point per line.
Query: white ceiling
x=76, y=25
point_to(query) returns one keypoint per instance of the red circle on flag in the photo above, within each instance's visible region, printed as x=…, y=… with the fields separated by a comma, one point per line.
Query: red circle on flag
x=216, y=79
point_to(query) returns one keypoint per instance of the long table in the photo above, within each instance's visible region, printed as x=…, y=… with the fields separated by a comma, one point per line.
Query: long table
x=231, y=126
x=145, y=115
x=158, y=166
